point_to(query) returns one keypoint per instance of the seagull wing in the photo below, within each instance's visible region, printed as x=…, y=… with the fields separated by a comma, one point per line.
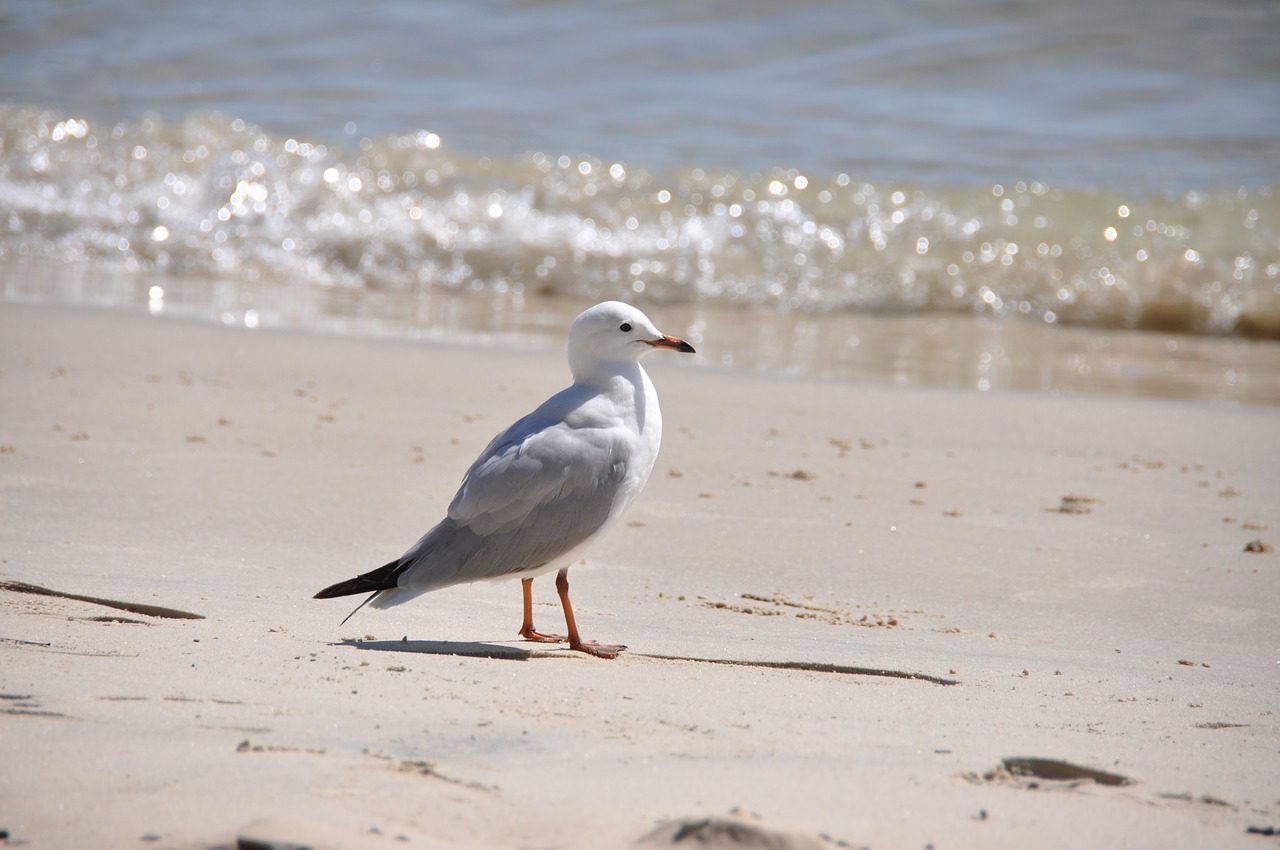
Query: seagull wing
x=534, y=466
x=541, y=489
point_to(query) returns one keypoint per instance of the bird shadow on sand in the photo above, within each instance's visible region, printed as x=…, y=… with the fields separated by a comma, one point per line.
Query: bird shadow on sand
x=465, y=649
x=504, y=652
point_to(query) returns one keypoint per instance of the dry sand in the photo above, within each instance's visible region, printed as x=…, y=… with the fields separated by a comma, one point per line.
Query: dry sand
x=1076, y=568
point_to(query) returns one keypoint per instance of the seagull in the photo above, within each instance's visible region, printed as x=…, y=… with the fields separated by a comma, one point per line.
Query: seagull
x=550, y=484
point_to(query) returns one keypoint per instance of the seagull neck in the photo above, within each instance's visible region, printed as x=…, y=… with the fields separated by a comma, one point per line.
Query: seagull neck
x=610, y=377
x=630, y=393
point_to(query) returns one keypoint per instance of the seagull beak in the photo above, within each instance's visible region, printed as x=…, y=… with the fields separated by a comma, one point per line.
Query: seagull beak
x=671, y=343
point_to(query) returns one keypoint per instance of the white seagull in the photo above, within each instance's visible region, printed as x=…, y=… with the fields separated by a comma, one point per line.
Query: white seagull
x=550, y=484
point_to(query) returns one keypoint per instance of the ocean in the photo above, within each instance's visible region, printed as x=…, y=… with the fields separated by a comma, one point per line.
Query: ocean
x=1031, y=196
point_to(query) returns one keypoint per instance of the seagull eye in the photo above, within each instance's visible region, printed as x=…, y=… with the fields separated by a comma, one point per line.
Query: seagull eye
x=625, y=327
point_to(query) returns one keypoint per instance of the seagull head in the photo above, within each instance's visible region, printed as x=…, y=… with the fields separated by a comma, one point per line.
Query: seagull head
x=613, y=333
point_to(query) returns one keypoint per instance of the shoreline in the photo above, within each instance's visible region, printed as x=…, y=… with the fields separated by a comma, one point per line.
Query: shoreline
x=1076, y=564
x=940, y=350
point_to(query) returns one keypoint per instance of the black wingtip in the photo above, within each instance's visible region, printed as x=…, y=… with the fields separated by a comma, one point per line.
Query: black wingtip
x=350, y=587
x=383, y=578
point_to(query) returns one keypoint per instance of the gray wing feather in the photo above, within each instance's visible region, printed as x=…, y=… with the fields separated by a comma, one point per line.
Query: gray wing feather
x=539, y=490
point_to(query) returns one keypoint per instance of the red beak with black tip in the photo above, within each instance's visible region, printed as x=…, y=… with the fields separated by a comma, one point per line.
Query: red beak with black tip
x=672, y=343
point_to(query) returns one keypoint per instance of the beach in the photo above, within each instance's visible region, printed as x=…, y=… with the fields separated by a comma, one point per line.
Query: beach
x=858, y=615
x=963, y=530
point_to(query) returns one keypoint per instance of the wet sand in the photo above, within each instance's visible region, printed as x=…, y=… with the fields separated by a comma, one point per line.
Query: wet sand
x=856, y=613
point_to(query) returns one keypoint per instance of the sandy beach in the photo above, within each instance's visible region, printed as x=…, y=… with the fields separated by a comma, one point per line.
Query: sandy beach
x=857, y=615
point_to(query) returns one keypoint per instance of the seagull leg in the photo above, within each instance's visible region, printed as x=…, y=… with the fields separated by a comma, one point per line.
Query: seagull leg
x=526, y=629
x=599, y=650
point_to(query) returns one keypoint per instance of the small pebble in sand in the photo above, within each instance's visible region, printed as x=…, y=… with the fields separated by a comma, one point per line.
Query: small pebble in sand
x=1073, y=503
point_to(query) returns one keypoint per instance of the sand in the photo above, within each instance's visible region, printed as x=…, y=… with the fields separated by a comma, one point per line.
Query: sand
x=847, y=605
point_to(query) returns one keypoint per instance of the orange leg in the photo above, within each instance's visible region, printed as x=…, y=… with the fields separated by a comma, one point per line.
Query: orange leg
x=599, y=650
x=526, y=629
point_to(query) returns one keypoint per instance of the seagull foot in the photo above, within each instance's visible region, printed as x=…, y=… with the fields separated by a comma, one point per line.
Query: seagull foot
x=599, y=650
x=539, y=637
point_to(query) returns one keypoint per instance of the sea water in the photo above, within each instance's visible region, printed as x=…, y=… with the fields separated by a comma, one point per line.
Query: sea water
x=981, y=183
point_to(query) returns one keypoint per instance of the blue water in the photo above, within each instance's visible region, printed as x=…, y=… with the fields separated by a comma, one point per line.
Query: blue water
x=1150, y=95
